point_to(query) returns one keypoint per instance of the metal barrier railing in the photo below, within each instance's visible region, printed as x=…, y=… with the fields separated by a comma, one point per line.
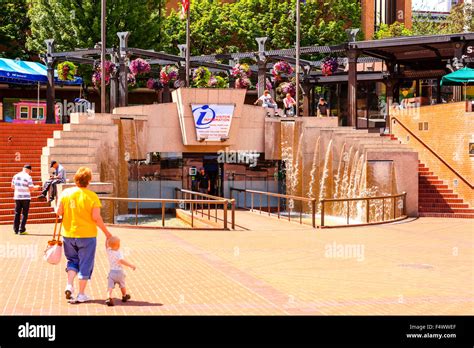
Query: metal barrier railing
x=367, y=207
x=279, y=197
x=185, y=194
x=192, y=203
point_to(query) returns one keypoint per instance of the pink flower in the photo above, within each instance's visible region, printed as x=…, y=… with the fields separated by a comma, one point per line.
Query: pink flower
x=139, y=66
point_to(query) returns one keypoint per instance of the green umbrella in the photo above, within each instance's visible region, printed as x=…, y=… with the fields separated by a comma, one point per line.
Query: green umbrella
x=461, y=76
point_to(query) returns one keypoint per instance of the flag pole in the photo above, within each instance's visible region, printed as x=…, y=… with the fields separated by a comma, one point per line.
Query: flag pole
x=188, y=44
x=297, y=68
x=102, y=57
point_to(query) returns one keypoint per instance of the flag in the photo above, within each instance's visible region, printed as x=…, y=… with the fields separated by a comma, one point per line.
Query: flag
x=184, y=6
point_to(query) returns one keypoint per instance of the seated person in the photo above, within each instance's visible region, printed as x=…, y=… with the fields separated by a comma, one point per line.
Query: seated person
x=267, y=101
x=289, y=103
x=58, y=176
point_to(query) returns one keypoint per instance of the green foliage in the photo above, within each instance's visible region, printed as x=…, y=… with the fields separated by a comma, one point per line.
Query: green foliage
x=14, y=26
x=396, y=29
x=218, y=27
x=460, y=18
x=73, y=23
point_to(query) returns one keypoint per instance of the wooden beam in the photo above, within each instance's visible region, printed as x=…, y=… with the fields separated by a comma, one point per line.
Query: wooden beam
x=352, y=88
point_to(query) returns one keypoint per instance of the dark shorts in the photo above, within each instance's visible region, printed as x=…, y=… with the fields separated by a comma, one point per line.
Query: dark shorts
x=80, y=255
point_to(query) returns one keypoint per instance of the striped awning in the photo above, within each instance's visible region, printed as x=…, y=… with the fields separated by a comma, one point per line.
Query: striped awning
x=25, y=72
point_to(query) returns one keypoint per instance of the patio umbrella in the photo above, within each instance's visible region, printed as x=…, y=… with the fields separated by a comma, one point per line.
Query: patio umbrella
x=462, y=76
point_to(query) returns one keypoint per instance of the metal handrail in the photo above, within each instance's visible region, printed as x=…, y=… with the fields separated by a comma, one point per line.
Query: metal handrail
x=433, y=152
x=211, y=199
x=368, y=199
x=279, y=196
x=164, y=201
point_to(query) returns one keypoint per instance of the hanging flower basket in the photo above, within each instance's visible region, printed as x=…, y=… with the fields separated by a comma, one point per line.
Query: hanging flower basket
x=96, y=76
x=329, y=66
x=243, y=82
x=284, y=88
x=216, y=81
x=131, y=80
x=139, y=66
x=201, y=77
x=168, y=74
x=154, y=84
x=66, y=71
x=240, y=71
x=280, y=68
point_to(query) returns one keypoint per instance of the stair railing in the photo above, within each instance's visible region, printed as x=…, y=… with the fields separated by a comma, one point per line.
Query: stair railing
x=394, y=119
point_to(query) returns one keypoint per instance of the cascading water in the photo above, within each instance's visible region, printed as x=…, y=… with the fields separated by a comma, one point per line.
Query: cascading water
x=346, y=176
x=324, y=187
x=287, y=148
x=337, y=181
x=314, y=174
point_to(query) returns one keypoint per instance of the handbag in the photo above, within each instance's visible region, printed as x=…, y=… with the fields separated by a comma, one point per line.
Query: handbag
x=54, y=249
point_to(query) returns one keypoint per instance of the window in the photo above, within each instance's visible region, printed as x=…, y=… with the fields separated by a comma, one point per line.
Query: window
x=37, y=113
x=24, y=112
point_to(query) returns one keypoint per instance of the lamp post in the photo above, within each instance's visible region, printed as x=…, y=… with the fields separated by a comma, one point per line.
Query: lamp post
x=297, y=68
x=102, y=58
x=188, y=46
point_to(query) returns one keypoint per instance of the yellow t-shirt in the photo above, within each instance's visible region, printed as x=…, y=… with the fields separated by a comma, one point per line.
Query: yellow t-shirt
x=77, y=217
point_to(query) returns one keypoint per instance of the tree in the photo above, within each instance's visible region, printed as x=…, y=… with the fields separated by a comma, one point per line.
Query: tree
x=73, y=23
x=396, y=29
x=14, y=25
x=460, y=18
x=230, y=27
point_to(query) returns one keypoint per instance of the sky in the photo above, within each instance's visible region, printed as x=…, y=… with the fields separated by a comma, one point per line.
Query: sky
x=432, y=5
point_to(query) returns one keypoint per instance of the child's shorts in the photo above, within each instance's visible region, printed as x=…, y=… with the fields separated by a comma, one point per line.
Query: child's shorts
x=116, y=277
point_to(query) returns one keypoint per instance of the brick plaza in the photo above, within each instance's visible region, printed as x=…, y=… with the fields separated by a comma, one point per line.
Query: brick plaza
x=264, y=267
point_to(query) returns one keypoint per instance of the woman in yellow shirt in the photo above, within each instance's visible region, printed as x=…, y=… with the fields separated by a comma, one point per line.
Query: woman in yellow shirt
x=80, y=209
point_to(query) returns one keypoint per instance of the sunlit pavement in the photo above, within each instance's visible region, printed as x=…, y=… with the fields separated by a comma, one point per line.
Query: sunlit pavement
x=422, y=266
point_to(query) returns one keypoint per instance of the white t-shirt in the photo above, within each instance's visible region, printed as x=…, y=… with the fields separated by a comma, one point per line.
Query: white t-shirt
x=266, y=99
x=114, y=257
x=22, y=182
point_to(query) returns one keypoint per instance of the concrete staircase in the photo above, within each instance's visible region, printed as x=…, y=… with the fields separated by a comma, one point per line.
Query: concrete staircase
x=21, y=144
x=437, y=200
x=76, y=145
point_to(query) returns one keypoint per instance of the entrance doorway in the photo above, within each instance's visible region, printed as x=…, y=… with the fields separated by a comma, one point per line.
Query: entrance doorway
x=215, y=172
x=193, y=162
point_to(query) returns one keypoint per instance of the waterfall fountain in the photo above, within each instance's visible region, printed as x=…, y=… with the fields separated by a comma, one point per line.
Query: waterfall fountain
x=338, y=170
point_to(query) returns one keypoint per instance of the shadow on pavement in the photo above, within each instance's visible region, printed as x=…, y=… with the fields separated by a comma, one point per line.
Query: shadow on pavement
x=118, y=302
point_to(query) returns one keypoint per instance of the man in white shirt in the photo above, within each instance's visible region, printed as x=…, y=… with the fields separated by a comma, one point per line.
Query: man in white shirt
x=267, y=101
x=22, y=183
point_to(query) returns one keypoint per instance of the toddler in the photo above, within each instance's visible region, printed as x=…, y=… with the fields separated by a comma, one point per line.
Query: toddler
x=116, y=274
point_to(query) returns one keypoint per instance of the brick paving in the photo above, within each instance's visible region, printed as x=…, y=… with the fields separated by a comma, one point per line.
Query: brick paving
x=424, y=266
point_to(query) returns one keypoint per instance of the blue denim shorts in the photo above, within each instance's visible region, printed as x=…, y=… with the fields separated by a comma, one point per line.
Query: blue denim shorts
x=80, y=255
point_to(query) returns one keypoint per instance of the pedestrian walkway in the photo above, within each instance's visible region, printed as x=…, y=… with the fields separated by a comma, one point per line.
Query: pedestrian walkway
x=415, y=267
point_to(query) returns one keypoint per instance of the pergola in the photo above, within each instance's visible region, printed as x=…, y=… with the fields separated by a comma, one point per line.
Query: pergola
x=412, y=57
